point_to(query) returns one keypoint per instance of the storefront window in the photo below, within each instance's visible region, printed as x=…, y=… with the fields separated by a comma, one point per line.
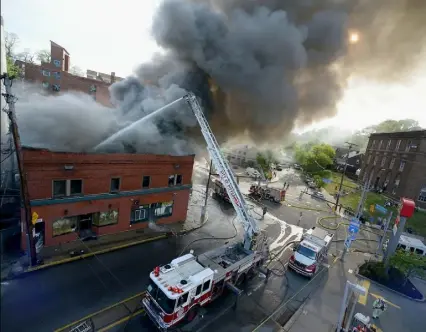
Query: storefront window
x=64, y=226
x=164, y=209
x=105, y=218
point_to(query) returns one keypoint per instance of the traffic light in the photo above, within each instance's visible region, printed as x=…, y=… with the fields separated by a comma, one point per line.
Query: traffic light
x=372, y=208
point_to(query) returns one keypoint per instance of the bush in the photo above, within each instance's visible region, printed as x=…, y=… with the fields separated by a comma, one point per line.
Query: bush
x=374, y=270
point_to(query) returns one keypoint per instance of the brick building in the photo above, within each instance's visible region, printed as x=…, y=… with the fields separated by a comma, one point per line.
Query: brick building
x=396, y=164
x=55, y=77
x=89, y=195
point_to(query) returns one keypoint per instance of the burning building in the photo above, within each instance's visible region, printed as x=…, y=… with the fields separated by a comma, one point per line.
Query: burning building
x=80, y=195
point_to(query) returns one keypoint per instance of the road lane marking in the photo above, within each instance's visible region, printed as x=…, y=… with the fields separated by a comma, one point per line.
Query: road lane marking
x=388, y=302
x=121, y=321
x=98, y=312
x=363, y=298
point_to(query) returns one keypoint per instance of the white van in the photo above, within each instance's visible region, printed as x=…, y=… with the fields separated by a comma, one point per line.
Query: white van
x=410, y=244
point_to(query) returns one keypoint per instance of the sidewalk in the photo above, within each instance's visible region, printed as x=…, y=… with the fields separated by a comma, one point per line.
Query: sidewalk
x=320, y=312
x=76, y=250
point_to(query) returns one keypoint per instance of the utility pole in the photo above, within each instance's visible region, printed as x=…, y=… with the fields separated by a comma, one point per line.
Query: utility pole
x=204, y=208
x=343, y=174
x=10, y=100
x=385, y=231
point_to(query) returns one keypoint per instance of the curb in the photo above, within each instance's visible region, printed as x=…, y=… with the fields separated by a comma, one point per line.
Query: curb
x=391, y=290
x=99, y=252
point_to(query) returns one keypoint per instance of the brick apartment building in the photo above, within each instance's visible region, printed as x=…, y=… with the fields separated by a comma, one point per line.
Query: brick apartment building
x=89, y=195
x=55, y=77
x=396, y=164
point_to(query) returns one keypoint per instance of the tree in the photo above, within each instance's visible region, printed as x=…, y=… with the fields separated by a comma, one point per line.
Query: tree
x=43, y=56
x=77, y=71
x=408, y=263
x=265, y=161
x=315, y=160
x=26, y=56
x=12, y=69
x=11, y=40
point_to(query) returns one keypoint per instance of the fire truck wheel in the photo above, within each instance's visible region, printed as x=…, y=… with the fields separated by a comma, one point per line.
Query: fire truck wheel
x=192, y=313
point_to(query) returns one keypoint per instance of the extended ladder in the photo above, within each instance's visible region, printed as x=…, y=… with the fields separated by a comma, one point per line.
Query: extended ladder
x=225, y=172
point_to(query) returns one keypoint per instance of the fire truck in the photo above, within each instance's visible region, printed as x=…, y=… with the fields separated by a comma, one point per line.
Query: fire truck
x=262, y=192
x=177, y=290
x=219, y=191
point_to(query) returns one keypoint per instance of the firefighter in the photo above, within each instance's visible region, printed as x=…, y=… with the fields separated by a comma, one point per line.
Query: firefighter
x=379, y=307
x=265, y=209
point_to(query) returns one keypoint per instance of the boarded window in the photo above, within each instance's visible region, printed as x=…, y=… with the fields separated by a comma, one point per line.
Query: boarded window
x=64, y=226
x=105, y=218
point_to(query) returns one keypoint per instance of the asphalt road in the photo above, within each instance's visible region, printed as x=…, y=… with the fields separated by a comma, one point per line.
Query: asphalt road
x=54, y=297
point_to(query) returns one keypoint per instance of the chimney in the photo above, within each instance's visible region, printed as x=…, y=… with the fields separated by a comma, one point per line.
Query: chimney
x=112, y=77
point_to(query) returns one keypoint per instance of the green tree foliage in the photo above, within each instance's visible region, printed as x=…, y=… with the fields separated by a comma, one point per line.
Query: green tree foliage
x=12, y=69
x=265, y=161
x=408, y=263
x=315, y=160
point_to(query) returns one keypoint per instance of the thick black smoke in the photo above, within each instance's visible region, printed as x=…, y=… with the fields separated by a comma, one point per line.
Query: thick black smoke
x=258, y=67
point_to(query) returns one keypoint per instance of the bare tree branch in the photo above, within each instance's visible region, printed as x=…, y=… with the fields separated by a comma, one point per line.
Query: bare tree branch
x=43, y=56
x=11, y=41
x=77, y=71
x=26, y=57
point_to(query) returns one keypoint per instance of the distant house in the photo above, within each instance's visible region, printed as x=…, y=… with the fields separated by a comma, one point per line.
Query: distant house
x=354, y=161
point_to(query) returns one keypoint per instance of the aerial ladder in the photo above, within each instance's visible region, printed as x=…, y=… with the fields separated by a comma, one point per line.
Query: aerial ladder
x=225, y=173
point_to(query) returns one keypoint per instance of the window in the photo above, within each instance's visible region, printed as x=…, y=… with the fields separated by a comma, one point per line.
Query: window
x=380, y=144
x=198, y=291
x=183, y=299
x=206, y=285
x=57, y=75
x=146, y=181
x=164, y=209
x=422, y=195
x=402, y=165
x=63, y=188
x=57, y=63
x=388, y=145
x=369, y=159
x=383, y=162
x=419, y=252
x=105, y=218
x=59, y=188
x=398, y=143
x=139, y=214
x=45, y=85
x=64, y=226
x=56, y=87
x=392, y=163
x=46, y=72
x=115, y=185
x=373, y=144
x=375, y=160
x=172, y=179
x=76, y=187
x=175, y=180
x=408, y=147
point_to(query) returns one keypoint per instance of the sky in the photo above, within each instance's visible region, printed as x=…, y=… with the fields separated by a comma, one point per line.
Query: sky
x=114, y=36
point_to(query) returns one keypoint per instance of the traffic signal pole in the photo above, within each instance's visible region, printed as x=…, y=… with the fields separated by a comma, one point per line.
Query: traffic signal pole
x=10, y=100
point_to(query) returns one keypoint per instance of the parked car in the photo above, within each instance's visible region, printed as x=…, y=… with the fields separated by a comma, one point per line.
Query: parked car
x=297, y=166
x=318, y=194
x=279, y=168
x=312, y=185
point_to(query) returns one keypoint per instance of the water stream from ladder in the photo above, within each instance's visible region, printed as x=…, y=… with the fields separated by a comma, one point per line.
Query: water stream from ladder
x=134, y=125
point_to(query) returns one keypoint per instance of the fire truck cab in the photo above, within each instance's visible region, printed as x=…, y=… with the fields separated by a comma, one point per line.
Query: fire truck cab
x=175, y=288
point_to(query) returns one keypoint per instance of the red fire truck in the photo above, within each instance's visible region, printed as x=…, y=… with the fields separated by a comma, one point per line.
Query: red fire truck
x=178, y=289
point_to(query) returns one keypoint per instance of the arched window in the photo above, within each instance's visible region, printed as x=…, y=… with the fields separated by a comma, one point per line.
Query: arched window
x=422, y=195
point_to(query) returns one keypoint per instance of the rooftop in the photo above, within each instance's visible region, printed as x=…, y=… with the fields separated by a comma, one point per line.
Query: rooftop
x=411, y=241
x=402, y=134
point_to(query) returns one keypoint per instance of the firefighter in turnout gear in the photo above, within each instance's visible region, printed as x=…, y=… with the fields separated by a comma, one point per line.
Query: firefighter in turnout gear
x=379, y=307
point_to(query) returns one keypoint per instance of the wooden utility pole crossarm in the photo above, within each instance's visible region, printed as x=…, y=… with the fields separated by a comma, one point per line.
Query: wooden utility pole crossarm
x=10, y=100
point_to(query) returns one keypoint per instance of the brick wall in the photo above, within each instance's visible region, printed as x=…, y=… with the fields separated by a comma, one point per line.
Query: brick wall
x=96, y=170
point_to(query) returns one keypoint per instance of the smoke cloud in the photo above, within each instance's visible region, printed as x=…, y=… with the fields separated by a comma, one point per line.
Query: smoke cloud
x=258, y=67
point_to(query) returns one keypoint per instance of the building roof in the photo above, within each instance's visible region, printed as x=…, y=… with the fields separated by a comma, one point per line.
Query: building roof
x=414, y=133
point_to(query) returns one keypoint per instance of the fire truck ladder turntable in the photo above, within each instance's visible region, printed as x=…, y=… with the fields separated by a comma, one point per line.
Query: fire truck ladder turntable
x=226, y=175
